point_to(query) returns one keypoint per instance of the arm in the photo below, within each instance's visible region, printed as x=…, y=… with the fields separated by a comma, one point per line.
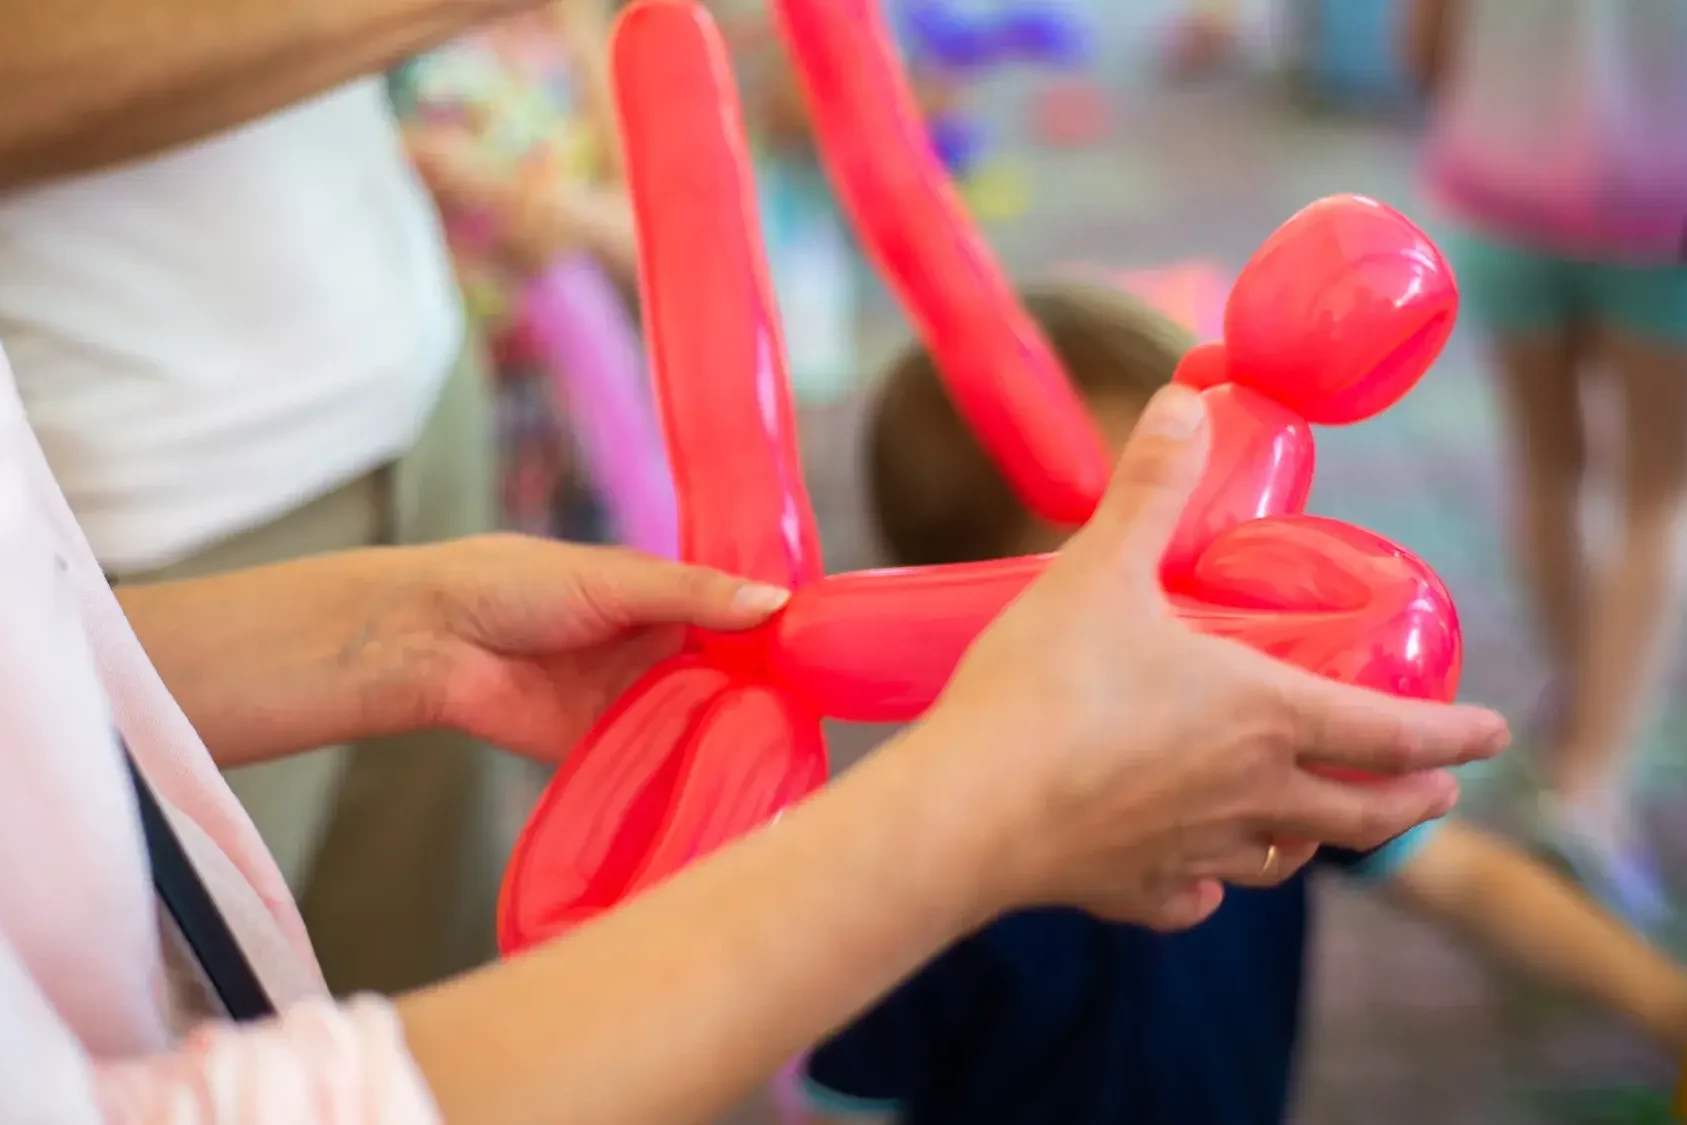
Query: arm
x=282, y=658
x=787, y=934
x=1495, y=894
x=88, y=83
x=1425, y=43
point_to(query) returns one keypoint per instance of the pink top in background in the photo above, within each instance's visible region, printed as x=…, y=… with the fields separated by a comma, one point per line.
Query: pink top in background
x=1563, y=124
x=88, y=1017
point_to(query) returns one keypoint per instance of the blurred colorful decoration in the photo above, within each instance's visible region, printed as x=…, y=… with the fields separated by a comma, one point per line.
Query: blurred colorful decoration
x=1071, y=113
x=578, y=323
x=507, y=88
x=959, y=45
x=1334, y=319
x=1348, y=52
x=1192, y=292
x=997, y=192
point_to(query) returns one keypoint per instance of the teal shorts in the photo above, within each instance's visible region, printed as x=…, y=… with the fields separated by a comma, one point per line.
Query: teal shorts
x=1511, y=290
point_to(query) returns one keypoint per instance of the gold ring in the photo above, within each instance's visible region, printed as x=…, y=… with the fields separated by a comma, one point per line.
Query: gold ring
x=1270, y=863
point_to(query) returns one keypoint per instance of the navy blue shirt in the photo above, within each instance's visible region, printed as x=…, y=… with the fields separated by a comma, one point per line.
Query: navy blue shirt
x=1051, y=1017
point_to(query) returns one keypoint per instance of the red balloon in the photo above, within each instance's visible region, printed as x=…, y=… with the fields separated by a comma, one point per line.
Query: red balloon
x=716, y=350
x=1341, y=311
x=1204, y=365
x=1334, y=320
x=1259, y=464
x=1001, y=373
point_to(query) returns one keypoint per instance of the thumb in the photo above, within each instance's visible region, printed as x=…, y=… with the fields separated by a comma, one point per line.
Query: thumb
x=640, y=590
x=1161, y=466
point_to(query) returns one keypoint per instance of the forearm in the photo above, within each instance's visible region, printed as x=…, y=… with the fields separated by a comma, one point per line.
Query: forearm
x=674, y=1006
x=87, y=83
x=284, y=658
x=1522, y=911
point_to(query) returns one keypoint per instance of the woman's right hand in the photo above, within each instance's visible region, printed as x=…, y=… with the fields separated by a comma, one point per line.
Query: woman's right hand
x=1141, y=765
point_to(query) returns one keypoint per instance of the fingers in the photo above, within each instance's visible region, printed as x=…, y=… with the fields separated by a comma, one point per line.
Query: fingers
x=1262, y=862
x=1357, y=815
x=1336, y=725
x=1153, y=482
x=634, y=589
x=1188, y=907
x=1255, y=859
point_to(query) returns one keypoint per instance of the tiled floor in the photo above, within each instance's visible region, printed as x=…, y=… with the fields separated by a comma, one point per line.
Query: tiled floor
x=1406, y=1027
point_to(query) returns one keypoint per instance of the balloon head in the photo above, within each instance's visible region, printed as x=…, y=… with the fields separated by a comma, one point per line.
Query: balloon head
x=1341, y=311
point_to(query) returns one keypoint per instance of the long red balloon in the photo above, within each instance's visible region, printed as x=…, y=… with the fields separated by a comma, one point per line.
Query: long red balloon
x=1335, y=319
x=1001, y=372
x=717, y=353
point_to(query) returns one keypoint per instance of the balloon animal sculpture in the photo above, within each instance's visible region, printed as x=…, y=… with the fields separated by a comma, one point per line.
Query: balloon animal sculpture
x=1333, y=320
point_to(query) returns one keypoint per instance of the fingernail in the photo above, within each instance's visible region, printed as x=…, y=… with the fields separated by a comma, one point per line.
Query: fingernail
x=1500, y=739
x=1175, y=412
x=757, y=597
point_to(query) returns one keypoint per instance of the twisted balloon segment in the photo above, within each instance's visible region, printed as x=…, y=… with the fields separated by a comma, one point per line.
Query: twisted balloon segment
x=1333, y=320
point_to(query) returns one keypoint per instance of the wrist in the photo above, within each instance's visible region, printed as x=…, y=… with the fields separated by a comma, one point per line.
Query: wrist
x=403, y=654
x=976, y=822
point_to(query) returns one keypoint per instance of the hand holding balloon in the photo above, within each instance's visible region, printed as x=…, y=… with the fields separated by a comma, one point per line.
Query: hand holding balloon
x=1334, y=319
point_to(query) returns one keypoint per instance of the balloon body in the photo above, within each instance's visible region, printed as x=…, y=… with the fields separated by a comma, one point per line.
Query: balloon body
x=1334, y=319
x=578, y=324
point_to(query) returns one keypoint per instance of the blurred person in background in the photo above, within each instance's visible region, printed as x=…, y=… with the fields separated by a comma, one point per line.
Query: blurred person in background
x=1555, y=149
x=513, y=129
x=235, y=329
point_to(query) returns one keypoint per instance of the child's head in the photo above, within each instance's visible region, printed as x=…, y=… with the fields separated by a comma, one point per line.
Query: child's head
x=936, y=496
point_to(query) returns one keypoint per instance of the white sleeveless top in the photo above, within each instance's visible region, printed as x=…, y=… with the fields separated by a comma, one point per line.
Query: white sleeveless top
x=210, y=337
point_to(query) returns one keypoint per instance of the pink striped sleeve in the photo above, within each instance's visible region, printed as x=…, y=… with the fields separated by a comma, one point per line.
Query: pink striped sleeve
x=321, y=1062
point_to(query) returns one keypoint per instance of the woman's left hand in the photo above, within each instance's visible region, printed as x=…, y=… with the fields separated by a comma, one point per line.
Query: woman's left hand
x=538, y=637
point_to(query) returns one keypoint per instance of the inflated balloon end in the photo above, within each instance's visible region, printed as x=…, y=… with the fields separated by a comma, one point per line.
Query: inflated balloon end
x=1334, y=320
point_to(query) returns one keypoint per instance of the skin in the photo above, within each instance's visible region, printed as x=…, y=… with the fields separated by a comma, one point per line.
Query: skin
x=157, y=74
x=1089, y=751
x=536, y=218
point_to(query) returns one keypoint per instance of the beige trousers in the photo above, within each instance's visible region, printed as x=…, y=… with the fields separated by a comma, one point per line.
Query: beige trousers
x=394, y=847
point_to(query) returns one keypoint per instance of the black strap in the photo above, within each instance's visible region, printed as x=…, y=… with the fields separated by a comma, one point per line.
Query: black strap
x=191, y=908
